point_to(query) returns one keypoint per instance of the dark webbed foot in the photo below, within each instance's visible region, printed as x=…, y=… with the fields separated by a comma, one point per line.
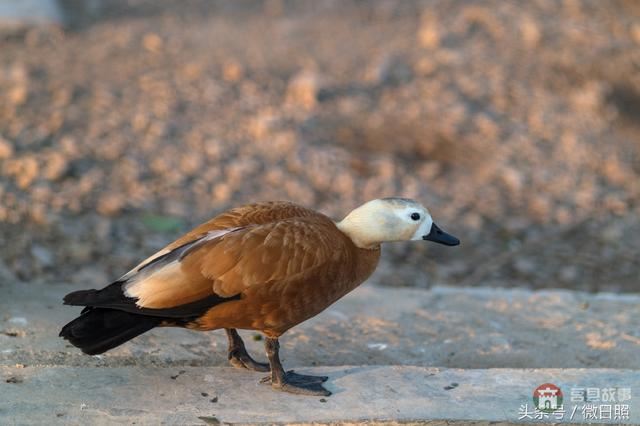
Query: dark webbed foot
x=292, y=375
x=290, y=381
x=299, y=384
x=238, y=355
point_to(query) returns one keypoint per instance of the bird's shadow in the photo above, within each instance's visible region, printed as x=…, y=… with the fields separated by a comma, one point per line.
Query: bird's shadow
x=335, y=375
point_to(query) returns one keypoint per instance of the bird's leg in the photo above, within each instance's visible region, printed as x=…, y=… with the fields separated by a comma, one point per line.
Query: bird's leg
x=290, y=381
x=238, y=356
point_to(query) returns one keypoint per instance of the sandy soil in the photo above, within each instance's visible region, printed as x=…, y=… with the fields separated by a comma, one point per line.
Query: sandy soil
x=517, y=123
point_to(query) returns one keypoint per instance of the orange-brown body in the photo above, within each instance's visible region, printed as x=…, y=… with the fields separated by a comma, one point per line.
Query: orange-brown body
x=287, y=264
x=276, y=306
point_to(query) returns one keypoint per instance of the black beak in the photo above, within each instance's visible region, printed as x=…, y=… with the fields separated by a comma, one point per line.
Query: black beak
x=437, y=235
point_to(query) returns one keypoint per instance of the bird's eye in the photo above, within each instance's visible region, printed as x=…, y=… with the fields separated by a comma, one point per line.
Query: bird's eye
x=415, y=216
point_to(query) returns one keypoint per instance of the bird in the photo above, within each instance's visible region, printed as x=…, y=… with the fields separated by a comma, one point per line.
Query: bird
x=266, y=266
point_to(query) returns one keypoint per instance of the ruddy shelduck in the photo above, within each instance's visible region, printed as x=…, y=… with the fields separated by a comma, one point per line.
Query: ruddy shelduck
x=266, y=266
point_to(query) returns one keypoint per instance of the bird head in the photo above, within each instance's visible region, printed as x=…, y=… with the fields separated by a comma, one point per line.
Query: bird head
x=392, y=219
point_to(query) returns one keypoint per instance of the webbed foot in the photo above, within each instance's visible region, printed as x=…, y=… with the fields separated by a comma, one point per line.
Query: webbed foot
x=300, y=384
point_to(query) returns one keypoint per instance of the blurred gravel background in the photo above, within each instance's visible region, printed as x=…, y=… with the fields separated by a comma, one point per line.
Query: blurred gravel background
x=517, y=123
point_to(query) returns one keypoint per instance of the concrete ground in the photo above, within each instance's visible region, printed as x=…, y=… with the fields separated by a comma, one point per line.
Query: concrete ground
x=393, y=355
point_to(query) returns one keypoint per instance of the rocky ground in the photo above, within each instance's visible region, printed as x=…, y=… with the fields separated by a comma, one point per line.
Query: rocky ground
x=516, y=123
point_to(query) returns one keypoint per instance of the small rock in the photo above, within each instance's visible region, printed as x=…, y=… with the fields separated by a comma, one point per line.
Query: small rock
x=18, y=320
x=302, y=90
x=152, y=42
x=635, y=33
x=389, y=69
x=569, y=273
x=6, y=149
x=612, y=232
x=210, y=420
x=18, y=95
x=429, y=33
x=524, y=266
x=512, y=179
x=615, y=205
x=425, y=66
x=473, y=220
x=232, y=71
x=24, y=169
x=79, y=251
x=14, y=379
x=530, y=32
x=539, y=207
x=5, y=272
x=102, y=228
x=378, y=346
x=111, y=204
x=42, y=254
x=56, y=166
x=181, y=372
x=222, y=192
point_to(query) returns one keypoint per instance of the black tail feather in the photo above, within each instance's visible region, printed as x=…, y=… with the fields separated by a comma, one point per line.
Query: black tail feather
x=111, y=318
x=81, y=297
x=99, y=329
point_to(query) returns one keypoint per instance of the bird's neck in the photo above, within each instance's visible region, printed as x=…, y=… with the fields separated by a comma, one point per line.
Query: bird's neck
x=357, y=233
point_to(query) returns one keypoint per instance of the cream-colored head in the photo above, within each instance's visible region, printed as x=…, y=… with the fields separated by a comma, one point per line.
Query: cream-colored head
x=392, y=219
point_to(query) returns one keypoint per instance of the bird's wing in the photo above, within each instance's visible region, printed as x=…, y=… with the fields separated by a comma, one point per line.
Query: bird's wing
x=225, y=265
x=233, y=219
x=272, y=252
x=166, y=290
x=183, y=278
x=220, y=265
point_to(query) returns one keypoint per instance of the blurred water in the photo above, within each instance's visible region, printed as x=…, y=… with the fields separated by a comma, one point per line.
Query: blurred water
x=63, y=12
x=30, y=11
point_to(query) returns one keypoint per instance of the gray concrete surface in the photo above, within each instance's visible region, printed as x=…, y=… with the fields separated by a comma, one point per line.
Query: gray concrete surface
x=443, y=327
x=392, y=354
x=128, y=395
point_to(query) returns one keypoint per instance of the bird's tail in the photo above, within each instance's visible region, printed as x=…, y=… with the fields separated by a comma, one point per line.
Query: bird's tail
x=99, y=329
